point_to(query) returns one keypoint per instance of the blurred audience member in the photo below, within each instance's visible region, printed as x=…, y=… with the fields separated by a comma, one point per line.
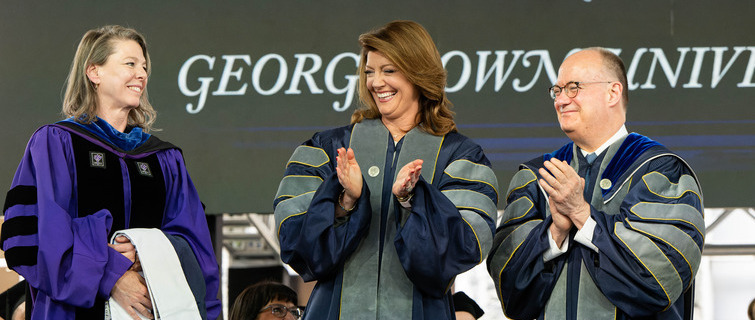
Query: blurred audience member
x=266, y=301
x=466, y=308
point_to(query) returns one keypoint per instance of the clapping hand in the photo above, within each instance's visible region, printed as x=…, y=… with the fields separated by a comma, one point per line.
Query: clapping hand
x=407, y=179
x=350, y=177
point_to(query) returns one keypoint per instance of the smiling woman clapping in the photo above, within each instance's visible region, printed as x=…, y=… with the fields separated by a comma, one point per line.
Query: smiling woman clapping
x=386, y=211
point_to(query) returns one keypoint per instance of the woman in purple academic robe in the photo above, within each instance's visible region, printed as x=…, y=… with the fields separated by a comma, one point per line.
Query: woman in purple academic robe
x=97, y=172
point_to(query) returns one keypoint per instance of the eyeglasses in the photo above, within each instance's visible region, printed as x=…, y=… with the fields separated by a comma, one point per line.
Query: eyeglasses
x=571, y=88
x=280, y=311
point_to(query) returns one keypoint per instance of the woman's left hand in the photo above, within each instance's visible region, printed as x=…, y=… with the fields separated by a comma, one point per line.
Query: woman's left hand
x=130, y=291
x=407, y=178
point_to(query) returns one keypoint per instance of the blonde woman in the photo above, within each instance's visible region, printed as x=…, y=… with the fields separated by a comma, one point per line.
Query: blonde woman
x=94, y=173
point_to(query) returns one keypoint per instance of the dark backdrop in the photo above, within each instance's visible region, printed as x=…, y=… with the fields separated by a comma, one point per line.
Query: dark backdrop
x=275, y=72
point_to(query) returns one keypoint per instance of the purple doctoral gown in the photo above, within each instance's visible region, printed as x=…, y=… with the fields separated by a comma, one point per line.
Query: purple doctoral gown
x=71, y=191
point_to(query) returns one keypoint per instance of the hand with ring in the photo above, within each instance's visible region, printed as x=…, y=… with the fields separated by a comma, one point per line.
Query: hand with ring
x=407, y=179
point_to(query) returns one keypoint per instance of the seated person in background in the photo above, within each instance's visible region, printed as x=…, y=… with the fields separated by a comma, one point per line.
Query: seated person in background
x=19, y=312
x=266, y=301
x=13, y=302
x=466, y=308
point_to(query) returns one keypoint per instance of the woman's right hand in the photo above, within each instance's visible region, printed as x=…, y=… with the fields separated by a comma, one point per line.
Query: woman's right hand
x=124, y=246
x=130, y=291
x=350, y=177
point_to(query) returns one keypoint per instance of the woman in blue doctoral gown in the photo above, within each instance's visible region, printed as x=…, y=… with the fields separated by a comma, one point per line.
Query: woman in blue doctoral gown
x=385, y=212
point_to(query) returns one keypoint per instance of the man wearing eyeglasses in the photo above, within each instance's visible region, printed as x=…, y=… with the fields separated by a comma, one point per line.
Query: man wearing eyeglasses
x=609, y=226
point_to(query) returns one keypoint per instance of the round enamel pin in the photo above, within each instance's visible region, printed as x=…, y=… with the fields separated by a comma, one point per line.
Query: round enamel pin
x=373, y=171
x=605, y=184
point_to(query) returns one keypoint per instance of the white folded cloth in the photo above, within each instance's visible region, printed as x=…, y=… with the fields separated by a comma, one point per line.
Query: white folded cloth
x=170, y=293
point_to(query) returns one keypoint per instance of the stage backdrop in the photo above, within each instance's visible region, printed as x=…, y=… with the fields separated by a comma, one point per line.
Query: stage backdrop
x=239, y=84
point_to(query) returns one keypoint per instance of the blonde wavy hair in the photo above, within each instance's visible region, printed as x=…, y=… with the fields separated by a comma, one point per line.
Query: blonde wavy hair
x=80, y=100
x=411, y=49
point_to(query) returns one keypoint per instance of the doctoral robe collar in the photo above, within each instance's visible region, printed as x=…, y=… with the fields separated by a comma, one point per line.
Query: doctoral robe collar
x=633, y=148
x=137, y=142
x=127, y=141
